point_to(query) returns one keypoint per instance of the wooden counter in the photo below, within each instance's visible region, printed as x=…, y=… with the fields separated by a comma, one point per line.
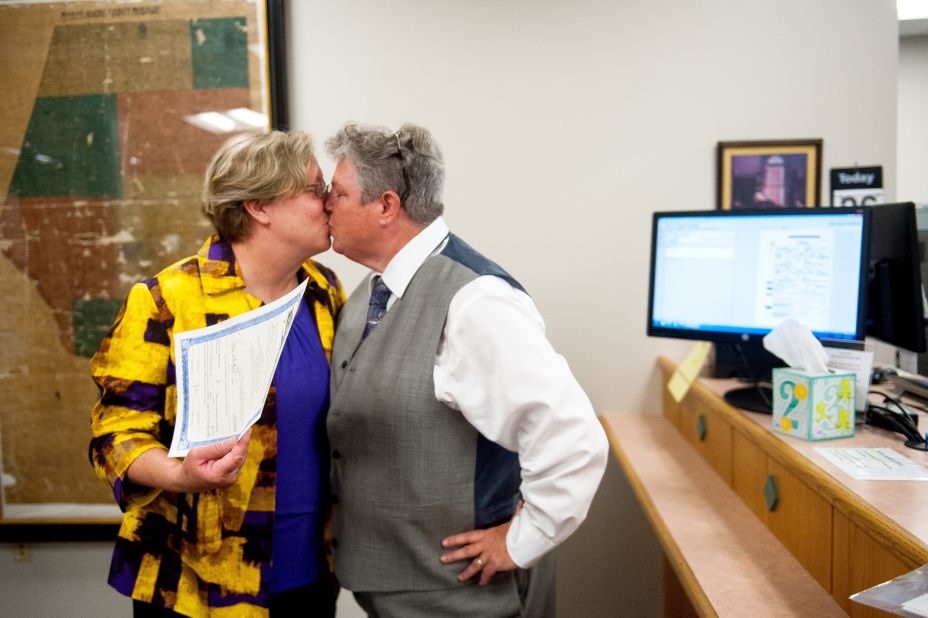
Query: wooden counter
x=848, y=534
x=726, y=560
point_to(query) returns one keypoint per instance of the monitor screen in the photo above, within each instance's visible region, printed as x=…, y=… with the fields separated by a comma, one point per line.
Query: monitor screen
x=895, y=312
x=732, y=276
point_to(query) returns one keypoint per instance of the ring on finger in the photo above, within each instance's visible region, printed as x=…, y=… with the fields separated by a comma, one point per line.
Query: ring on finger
x=480, y=562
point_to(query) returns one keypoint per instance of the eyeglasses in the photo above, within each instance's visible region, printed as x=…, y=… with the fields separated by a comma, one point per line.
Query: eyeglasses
x=319, y=189
x=399, y=148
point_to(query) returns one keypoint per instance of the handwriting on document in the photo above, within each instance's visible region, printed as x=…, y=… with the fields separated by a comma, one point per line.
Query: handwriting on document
x=224, y=372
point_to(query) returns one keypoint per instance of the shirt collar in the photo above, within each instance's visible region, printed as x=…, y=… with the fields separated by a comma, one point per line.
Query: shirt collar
x=406, y=263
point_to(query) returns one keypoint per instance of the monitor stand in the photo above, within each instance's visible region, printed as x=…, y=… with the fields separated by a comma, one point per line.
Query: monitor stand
x=748, y=361
x=756, y=398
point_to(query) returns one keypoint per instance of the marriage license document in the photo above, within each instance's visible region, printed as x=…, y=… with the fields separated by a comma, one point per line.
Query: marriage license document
x=224, y=372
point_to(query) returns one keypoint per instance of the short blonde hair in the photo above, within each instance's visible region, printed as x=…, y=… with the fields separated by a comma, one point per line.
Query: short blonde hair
x=253, y=166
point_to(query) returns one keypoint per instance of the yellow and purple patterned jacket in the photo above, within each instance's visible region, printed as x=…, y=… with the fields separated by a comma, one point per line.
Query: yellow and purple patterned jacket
x=204, y=553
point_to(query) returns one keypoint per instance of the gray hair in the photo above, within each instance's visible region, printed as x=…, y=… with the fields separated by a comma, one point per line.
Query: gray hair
x=253, y=166
x=386, y=160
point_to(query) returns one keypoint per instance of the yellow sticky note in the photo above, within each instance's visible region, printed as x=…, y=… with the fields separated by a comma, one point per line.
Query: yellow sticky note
x=688, y=370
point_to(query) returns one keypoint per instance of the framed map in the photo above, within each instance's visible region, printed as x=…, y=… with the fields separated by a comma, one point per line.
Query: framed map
x=111, y=112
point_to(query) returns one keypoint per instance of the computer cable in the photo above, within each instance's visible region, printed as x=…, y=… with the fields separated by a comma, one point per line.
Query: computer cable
x=899, y=420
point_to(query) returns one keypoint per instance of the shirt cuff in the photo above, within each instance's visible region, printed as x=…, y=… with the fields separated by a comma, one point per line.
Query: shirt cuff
x=525, y=542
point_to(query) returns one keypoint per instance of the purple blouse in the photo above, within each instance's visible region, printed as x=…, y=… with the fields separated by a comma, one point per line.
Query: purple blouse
x=302, y=381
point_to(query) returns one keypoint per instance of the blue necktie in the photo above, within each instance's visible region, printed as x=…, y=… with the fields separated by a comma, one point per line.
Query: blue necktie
x=378, y=305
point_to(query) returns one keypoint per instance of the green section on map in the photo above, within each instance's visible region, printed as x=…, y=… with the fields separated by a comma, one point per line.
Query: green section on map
x=220, y=53
x=71, y=148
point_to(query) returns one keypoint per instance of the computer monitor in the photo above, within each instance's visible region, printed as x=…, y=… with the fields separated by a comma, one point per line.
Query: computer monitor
x=731, y=276
x=895, y=312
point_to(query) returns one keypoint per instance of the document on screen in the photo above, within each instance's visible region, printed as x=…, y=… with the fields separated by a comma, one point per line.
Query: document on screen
x=224, y=372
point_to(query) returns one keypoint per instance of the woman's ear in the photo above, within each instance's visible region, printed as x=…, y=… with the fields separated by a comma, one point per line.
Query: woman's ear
x=256, y=210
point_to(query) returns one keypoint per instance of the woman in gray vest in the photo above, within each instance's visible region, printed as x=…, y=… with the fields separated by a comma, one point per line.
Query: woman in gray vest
x=450, y=409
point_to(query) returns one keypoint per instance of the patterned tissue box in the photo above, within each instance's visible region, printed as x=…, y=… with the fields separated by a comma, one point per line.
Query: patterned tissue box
x=813, y=406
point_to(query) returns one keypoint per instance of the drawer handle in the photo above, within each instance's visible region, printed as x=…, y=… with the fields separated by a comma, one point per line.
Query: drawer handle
x=701, y=427
x=771, y=495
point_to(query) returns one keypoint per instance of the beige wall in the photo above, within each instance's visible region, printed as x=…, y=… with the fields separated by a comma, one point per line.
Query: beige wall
x=564, y=125
x=913, y=119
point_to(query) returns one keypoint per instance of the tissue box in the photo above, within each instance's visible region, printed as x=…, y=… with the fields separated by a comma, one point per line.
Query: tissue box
x=813, y=406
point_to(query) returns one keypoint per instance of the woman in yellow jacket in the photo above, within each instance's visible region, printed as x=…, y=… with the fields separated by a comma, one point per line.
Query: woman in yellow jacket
x=199, y=534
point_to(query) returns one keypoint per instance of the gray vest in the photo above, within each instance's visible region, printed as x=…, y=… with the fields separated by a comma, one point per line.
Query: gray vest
x=407, y=471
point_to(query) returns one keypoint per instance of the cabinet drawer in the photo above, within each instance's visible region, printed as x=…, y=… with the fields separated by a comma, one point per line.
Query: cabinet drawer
x=798, y=516
x=802, y=520
x=860, y=561
x=749, y=473
x=708, y=431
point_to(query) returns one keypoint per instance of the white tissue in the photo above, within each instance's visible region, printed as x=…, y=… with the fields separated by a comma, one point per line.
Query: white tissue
x=793, y=342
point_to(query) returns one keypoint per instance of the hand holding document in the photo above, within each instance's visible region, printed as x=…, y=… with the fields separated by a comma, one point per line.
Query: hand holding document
x=224, y=372
x=213, y=466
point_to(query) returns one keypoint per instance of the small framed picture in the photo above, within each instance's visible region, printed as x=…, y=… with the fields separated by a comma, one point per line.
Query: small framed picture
x=769, y=174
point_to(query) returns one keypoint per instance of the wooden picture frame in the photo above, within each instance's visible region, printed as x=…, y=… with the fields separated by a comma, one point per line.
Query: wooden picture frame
x=765, y=174
x=111, y=112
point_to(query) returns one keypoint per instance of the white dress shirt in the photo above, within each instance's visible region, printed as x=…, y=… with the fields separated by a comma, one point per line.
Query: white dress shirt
x=495, y=365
